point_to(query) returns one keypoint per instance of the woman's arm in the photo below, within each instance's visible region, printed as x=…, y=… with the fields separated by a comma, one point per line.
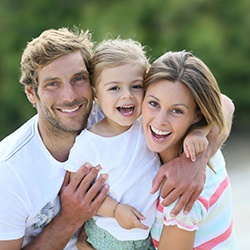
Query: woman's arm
x=174, y=238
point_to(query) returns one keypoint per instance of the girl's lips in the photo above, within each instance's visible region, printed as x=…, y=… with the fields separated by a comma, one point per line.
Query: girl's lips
x=126, y=110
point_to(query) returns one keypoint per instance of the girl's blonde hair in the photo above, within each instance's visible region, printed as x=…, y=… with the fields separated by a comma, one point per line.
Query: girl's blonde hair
x=116, y=52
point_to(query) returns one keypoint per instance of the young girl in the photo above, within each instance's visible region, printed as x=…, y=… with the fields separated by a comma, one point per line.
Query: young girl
x=182, y=94
x=118, y=144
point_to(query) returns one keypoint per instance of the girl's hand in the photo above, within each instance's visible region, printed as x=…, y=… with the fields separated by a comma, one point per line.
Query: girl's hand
x=128, y=217
x=194, y=143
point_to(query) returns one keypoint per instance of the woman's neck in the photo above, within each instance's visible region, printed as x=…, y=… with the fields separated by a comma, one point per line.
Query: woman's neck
x=169, y=154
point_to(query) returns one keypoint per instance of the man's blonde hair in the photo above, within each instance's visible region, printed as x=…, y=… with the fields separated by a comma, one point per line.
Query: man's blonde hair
x=50, y=45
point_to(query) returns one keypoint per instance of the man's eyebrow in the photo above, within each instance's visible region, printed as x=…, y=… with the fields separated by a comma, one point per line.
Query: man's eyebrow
x=82, y=72
x=48, y=79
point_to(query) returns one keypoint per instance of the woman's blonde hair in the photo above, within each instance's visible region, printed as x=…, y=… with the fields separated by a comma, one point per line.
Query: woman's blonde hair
x=186, y=68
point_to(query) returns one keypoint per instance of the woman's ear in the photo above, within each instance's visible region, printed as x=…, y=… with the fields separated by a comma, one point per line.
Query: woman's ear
x=198, y=117
x=31, y=95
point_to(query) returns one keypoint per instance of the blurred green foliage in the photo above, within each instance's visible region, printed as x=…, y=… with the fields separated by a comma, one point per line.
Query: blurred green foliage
x=217, y=31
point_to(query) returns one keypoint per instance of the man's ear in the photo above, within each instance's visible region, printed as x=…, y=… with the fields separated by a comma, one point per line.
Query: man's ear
x=31, y=95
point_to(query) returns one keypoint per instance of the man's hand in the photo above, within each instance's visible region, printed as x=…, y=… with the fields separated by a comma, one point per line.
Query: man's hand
x=180, y=178
x=80, y=200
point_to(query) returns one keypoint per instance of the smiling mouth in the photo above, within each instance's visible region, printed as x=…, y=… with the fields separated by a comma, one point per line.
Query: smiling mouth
x=126, y=110
x=159, y=134
x=70, y=110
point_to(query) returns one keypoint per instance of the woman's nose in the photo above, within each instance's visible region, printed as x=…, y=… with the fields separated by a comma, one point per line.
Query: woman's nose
x=161, y=118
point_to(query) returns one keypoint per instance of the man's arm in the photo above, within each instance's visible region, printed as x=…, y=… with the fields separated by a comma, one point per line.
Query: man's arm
x=78, y=203
x=185, y=179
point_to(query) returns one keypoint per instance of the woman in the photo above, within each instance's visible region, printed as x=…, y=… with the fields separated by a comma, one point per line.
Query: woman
x=182, y=94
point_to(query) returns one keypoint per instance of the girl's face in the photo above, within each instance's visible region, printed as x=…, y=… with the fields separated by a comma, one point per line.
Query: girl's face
x=168, y=111
x=119, y=92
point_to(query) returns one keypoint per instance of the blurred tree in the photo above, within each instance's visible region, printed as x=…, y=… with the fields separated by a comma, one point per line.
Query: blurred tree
x=216, y=31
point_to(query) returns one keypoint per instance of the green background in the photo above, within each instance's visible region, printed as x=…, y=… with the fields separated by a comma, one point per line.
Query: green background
x=217, y=31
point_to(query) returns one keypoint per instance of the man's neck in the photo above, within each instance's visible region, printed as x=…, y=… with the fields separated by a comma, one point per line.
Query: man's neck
x=58, y=144
x=59, y=148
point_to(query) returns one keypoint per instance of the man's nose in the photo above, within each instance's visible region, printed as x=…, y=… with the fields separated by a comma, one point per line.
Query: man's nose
x=68, y=92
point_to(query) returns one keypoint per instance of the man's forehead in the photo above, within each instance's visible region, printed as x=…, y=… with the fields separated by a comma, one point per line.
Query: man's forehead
x=64, y=66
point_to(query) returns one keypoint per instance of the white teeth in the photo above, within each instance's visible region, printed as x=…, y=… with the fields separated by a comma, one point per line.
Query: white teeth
x=127, y=107
x=69, y=110
x=159, y=132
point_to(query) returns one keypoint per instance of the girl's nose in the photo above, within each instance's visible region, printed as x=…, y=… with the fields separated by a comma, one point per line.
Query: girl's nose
x=127, y=94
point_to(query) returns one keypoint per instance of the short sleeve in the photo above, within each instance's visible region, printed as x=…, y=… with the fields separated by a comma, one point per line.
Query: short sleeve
x=13, y=211
x=188, y=222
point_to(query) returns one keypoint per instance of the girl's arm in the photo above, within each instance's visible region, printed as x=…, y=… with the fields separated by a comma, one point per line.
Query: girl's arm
x=196, y=141
x=127, y=216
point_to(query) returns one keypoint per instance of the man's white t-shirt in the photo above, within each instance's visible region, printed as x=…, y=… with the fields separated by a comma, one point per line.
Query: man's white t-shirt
x=30, y=180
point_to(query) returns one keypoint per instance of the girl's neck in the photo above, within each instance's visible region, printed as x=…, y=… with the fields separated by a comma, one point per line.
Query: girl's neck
x=106, y=128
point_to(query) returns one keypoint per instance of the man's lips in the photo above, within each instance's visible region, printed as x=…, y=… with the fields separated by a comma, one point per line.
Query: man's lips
x=71, y=110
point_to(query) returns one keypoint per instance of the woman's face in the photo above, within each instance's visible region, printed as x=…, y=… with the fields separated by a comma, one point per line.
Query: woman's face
x=168, y=111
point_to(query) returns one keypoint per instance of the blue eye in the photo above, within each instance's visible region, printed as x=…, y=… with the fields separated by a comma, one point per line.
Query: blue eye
x=52, y=84
x=80, y=79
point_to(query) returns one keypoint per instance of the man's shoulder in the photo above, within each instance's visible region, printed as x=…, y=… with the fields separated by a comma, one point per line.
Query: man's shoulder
x=16, y=140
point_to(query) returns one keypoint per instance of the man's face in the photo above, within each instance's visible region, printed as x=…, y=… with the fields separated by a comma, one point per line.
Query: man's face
x=64, y=96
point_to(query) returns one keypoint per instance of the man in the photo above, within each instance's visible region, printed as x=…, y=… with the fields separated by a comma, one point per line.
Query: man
x=55, y=73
